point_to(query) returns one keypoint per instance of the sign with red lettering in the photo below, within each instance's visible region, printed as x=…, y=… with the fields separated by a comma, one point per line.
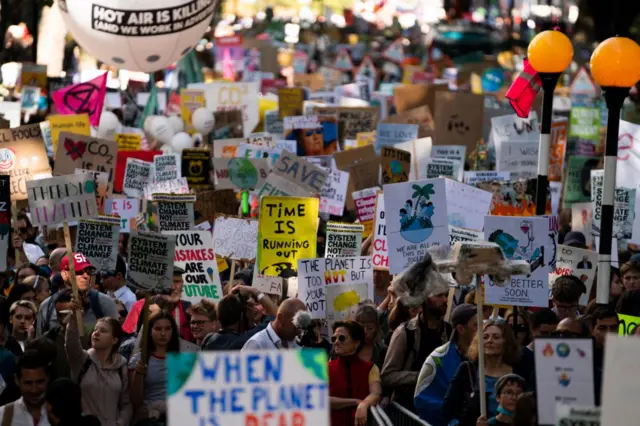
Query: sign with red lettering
x=380, y=251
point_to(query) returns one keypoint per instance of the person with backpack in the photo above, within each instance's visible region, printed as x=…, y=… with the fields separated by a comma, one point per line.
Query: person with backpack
x=101, y=371
x=96, y=305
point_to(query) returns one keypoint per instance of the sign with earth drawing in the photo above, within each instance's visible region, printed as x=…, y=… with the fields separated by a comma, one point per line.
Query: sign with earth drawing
x=240, y=173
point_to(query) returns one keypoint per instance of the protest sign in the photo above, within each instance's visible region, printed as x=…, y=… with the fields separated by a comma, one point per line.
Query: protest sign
x=233, y=377
x=315, y=276
x=396, y=165
x=623, y=207
x=286, y=232
x=334, y=192
x=570, y=415
x=314, y=82
x=380, y=252
x=262, y=139
x=579, y=263
x=584, y=125
x=235, y=238
x=175, y=211
x=460, y=234
x=121, y=164
x=174, y=186
x=557, y=148
x=77, y=124
x=196, y=167
x=620, y=385
x=301, y=172
x=458, y=119
x=151, y=258
x=126, y=208
x=103, y=190
x=128, y=141
x=420, y=116
x=343, y=300
x=365, y=201
x=190, y=100
x=167, y=167
x=62, y=199
x=211, y=203
x=533, y=239
x=276, y=185
x=98, y=240
x=137, y=176
x=472, y=178
x=343, y=239
x=439, y=167
x=627, y=325
x=346, y=159
x=365, y=174
x=389, y=134
x=514, y=198
x=450, y=152
x=364, y=139
x=628, y=165
x=354, y=120
x=266, y=284
x=23, y=158
x=240, y=173
x=85, y=152
x=273, y=123
x=86, y=97
x=290, y=101
x=228, y=124
x=577, y=183
x=222, y=96
x=255, y=152
x=5, y=219
x=518, y=158
x=195, y=255
x=564, y=369
x=467, y=205
x=417, y=220
x=314, y=135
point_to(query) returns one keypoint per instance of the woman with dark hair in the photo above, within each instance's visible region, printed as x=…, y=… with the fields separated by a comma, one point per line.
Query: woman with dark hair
x=101, y=371
x=149, y=376
x=501, y=354
x=372, y=350
x=522, y=331
x=354, y=384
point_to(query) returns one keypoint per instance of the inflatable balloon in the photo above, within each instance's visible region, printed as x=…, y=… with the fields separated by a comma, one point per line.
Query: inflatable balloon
x=160, y=128
x=137, y=35
x=202, y=120
x=109, y=125
x=176, y=123
x=166, y=148
x=492, y=80
x=181, y=141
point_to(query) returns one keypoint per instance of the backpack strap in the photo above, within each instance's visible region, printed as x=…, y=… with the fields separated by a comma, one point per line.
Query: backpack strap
x=94, y=303
x=7, y=417
x=84, y=369
x=51, y=306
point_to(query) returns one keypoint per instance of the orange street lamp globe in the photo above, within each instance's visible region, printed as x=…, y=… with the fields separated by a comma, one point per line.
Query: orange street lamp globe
x=616, y=62
x=550, y=52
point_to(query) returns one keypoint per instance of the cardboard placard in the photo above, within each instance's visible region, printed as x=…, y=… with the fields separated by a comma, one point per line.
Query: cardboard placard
x=458, y=119
x=167, y=167
x=151, y=258
x=175, y=211
x=76, y=123
x=98, y=240
x=334, y=192
x=343, y=239
x=301, y=172
x=228, y=124
x=240, y=173
x=396, y=165
x=137, y=176
x=314, y=82
x=211, y=203
x=355, y=119
x=290, y=101
x=85, y=152
x=196, y=167
x=235, y=238
x=420, y=116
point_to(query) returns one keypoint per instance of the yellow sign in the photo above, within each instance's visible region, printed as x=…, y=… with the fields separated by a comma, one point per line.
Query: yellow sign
x=76, y=123
x=627, y=325
x=286, y=232
x=364, y=139
x=190, y=100
x=128, y=141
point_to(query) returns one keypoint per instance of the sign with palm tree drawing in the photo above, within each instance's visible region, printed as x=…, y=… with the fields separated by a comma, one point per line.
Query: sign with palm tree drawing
x=416, y=216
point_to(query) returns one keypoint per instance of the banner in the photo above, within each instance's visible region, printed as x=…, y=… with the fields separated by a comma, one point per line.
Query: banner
x=579, y=263
x=62, y=199
x=343, y=239
x=417, y=220
x=235, y=238
x=151, y=258
x=287, y=231
x=98, y=241
x=137, y=176
x=251, y=383
x=316, y=275
x=167, y=167
x=87, y=97
x=240, y=173
x=380, y=252
x=194, y=254
x=175, y=211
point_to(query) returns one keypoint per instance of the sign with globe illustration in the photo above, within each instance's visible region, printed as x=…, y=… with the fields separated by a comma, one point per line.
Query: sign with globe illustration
x=417, y=221
x=240, y=173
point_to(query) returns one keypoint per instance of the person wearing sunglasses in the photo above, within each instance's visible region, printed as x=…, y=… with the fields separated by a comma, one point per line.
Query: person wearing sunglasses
x=354, y=384
x=310, y=141
x=23, y=241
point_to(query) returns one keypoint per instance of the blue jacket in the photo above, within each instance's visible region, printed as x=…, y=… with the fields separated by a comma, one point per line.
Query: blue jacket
x=433, y=381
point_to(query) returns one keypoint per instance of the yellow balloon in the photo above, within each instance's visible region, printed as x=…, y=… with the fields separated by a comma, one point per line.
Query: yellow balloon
x=616, y=62
x=550, y=51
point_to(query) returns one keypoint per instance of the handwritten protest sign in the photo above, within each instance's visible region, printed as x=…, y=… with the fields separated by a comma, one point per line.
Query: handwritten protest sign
x=628, y=325
x=353, y=119
x=235, y=238
x=416, y=219
x=343, y=239
x=467, y=205
x=315, y=275
x=623, y=207
x=195, y=379
x=126, y=208
x=103, y=190
x=579, y=263
x=396, y=165
x=196, y=167
x=519, y=158
x=151, y=258
x=290, y=101
x=77, y=124
x=533, y=239
x=334, y=192
x=175, y=211
x=167, y=167
x=380, y=252
x=240, y=173
x=85, y=152
x=23, y=158
x=62, y=199
x=262, y=139
x=286, y=232
x=389, y=134
x=137, y=176
x=304, y=174
x=365, y=201
x=98, y=240
x=276, y=185
x=173, y=186
x=343, y=300
x=449, y=152
x=128, y=141
x=458, y=119
x=194, y=254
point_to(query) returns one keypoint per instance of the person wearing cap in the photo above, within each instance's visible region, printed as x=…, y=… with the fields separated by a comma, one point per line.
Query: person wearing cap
x=179, y=308
x=97, y=305
x=441, y=365
x=508, y=389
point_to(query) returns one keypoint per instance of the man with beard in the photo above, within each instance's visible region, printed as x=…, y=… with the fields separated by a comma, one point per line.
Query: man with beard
x=411, y=344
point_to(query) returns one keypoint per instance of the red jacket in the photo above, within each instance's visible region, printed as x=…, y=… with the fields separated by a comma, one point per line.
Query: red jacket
x=348, y=378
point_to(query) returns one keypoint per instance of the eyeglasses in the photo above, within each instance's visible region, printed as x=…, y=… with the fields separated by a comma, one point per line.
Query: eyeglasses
x=341, y=338
x=20, y=230
x=511, y=394
x=566, y=308
x=106, y=274
x=87, y=271
x=310, y=132
x=198, y=323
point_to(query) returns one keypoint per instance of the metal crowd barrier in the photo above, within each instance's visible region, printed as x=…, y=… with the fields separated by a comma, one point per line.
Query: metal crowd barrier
x=394, y=415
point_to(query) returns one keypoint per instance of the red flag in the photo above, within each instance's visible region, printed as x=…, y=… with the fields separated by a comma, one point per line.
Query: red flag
x=83, y=98
x=524, y=89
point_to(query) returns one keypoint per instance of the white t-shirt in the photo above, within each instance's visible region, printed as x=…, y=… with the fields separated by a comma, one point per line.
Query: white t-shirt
x=22, y=416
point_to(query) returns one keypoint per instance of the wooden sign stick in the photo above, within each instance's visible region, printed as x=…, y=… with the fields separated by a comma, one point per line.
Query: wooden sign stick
x=145, y=327
x=14, y=214
x=72, y=275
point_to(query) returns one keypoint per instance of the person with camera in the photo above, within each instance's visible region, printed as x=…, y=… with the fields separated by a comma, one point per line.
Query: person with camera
x=281, y=332
x=310, y=336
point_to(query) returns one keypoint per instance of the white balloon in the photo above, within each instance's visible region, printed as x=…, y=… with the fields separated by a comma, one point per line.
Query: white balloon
x=181, y=141
x=137, y=35
x=160, y=129
x=166, y=148
x=202, y=120
x=109, y=125
x=176, y=123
